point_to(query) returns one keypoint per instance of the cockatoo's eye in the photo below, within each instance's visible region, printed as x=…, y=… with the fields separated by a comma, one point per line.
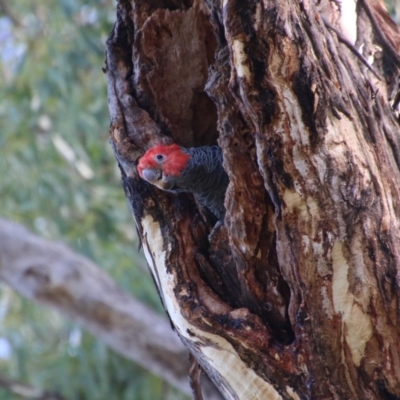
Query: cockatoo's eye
x=159, y=157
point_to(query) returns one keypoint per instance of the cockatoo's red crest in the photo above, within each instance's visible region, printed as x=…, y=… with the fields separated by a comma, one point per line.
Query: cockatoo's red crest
x=175, y=160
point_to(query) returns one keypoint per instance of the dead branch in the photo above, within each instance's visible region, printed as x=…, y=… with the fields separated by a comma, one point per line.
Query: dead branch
x=51, y=274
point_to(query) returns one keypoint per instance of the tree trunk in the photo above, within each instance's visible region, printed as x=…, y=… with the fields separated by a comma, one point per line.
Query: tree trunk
x=296, y=296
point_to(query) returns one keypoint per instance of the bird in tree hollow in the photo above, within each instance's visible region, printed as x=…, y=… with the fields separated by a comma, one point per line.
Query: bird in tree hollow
x=197, y=170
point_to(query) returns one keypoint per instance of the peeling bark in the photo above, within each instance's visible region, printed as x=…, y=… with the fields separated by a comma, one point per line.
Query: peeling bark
x=296, y=295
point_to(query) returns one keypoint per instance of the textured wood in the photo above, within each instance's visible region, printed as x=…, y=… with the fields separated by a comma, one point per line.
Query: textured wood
x=296, y=295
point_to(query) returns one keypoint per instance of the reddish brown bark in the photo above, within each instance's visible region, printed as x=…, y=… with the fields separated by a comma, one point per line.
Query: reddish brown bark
x=296, y=295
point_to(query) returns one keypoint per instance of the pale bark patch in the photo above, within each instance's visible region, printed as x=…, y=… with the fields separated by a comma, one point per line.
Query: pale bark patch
x=292, y=393
x=348, y=20
x=240, y=59
x=245, y=383
x=358, y=324
x=153, y=247
x=307, y=208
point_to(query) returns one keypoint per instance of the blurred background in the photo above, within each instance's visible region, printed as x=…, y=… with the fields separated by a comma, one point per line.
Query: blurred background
x=59, y=178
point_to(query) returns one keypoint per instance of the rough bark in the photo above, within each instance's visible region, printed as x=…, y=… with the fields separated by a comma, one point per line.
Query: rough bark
x=51, y=274
x=296, y=296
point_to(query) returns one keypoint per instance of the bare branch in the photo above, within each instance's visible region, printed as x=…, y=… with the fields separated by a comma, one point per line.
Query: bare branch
x=51, y=274
x=28, y=391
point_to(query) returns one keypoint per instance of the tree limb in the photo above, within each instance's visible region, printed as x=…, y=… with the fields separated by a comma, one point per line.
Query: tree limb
x=28, y=391
x=51, y=274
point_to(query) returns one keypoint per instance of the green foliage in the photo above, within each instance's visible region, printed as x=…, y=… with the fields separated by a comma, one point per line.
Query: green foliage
x=58, y=176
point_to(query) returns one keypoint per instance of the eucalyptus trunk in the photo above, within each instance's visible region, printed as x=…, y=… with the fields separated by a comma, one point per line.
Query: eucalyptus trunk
x=296, y=295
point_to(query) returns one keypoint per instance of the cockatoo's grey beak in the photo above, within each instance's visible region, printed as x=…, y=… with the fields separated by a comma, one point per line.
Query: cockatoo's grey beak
x=151, y=175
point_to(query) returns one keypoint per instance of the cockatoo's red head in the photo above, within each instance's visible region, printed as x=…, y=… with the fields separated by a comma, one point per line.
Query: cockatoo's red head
x=162, y=165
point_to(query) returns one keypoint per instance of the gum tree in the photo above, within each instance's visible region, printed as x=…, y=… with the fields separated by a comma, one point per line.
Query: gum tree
x=296, y=295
